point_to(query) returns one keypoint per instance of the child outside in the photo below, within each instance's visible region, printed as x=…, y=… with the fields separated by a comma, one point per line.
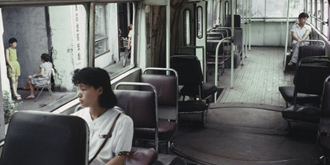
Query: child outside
x=14, y=70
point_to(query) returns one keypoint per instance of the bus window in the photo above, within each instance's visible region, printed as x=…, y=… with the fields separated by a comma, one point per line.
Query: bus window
x=325, y=18
x=239, y=7
x=227, y=8
x=318, y=15
x=309, y=12
x=199, y=22
x=101, y=36
x=209, y=13
x=214, y=15
x=186, y=22
x=113, y=44
x=258, y=8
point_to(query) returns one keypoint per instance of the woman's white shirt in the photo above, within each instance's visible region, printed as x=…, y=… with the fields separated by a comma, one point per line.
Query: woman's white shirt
x=121, y=139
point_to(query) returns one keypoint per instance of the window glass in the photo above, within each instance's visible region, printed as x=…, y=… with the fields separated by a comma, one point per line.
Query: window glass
x=114, y=37
x=313, y=11
x=186, y=27
x=209, y=13
x=239, y=7
x=325, y=18
x=227, y=10
x=296, y=7
x=199, y=22
x=215, y=3
x=275, y=8
x=309, y=12
x=258, y=8
x=319, y=15
x=101, y=37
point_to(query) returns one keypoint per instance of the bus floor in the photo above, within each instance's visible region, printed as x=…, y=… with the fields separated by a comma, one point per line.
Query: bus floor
x=245, y=125
x=257, y=81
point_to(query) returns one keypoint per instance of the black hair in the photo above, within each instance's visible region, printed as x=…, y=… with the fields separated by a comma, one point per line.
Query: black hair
x=12, y=40
x=303, y=15
x=97, y=77
x=45, y=57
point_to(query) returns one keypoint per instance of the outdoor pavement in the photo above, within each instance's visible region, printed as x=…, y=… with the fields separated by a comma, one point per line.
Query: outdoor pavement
x=45, y=102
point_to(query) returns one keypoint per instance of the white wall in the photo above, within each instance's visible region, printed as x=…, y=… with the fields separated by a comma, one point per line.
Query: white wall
x=64, y=44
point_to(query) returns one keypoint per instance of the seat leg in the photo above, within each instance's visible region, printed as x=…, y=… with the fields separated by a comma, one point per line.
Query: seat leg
x=39, y=94
x=168, y=145
x=289, y=125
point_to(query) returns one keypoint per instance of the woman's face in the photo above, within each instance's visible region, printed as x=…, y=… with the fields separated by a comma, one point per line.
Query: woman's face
x=88, y=95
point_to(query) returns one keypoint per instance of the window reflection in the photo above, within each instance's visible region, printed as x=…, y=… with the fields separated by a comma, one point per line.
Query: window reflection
x=199, y=22
x=187, y=27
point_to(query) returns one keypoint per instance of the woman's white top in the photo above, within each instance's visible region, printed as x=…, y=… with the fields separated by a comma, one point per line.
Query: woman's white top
x=121, y=139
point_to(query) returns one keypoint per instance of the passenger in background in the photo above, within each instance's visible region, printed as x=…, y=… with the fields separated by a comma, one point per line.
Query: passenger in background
x=14, y=70
x=100, y=113
x=299, y=32
x=129, y=36
x=40, y=78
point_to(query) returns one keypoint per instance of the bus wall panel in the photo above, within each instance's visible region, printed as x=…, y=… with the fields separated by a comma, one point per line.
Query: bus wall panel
x=269, y=33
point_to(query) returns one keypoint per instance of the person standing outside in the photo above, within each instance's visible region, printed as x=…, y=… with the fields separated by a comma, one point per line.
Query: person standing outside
x=299, y=32
x=14, y=69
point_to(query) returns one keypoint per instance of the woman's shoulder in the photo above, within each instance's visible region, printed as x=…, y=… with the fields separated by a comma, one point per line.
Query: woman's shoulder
x=123, y=117
x=81, y=112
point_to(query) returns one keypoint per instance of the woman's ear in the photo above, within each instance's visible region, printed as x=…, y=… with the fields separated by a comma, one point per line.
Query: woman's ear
x=100, y=90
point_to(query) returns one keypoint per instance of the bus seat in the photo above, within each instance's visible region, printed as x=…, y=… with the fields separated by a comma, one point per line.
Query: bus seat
x=310, y=50
x=167, y=91
x=40, y=138
x=309, y=79
x=191, y=78
x=287, y=94
x=142, y=107
x=167, y=97
x=287, y=91
x=325, y=108
x=323, y=139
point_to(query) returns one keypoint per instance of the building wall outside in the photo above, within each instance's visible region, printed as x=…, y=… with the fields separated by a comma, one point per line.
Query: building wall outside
x=28, y=26
x=4, y=83
x=64, y=44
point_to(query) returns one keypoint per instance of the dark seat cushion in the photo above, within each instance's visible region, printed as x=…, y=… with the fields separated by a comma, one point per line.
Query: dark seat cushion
x=192, y=106
x=139, y=155
x=324, y=126
x=302, y=113
x=287, y=94
x=192, y=90
x=166, y=131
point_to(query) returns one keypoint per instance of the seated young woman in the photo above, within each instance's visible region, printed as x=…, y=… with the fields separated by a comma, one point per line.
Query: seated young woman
x=100, y=112
x=40, y=78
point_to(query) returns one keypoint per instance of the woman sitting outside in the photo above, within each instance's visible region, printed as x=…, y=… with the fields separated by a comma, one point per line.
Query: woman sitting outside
x=39, y=78
x=100, y=113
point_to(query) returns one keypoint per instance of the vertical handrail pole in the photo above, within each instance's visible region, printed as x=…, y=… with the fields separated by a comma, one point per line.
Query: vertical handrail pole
x=287, y=34
x=168, y=33
x=232, y=45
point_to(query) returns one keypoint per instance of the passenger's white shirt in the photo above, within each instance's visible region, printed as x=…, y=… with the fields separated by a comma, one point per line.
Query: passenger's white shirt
x=121, y=139
x=300, y=32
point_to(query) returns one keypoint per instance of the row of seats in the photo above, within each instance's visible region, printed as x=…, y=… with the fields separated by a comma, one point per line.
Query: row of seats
x=308, y=101
x=213, y=37
x=153, y=105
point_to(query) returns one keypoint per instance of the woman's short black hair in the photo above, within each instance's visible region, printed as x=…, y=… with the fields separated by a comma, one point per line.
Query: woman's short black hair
x=12, y=40
x=97, y=77
x=45, y=57
x=303, y=15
